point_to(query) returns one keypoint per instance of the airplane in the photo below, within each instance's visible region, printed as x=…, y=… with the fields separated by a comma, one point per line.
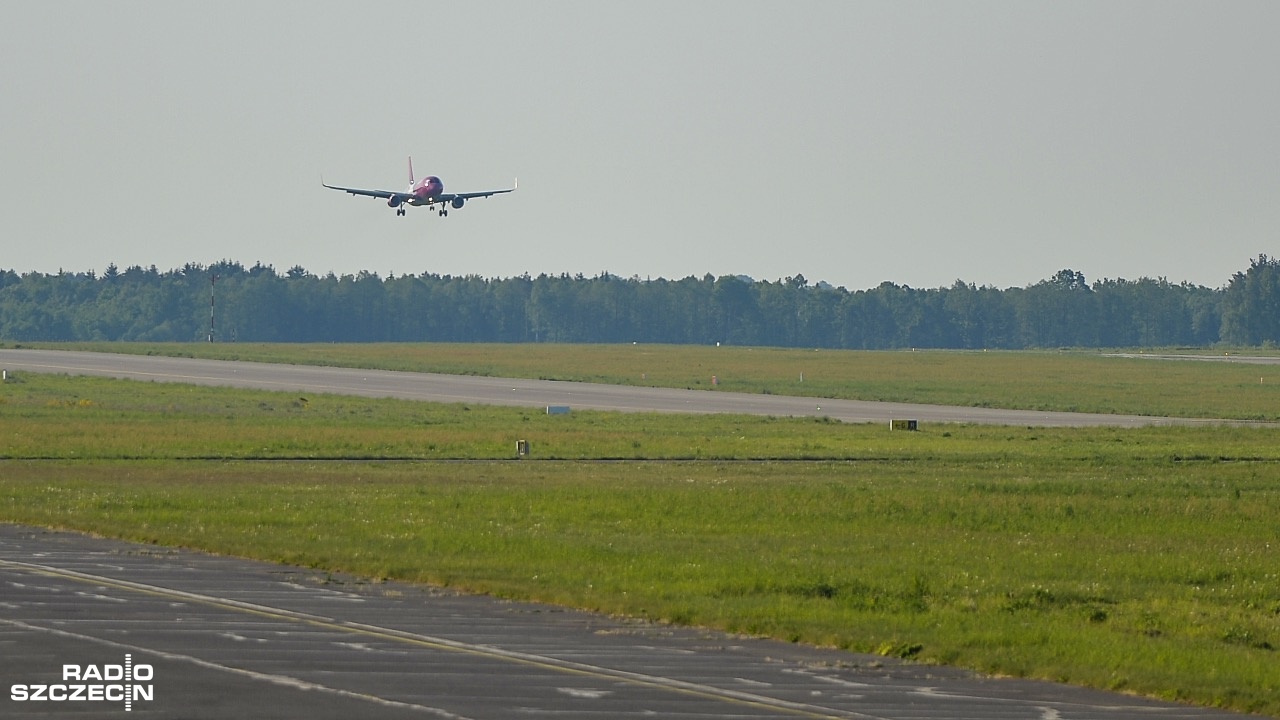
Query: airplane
x=427, y=191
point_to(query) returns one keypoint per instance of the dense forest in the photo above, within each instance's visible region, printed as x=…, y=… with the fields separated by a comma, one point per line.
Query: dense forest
x=227, y=302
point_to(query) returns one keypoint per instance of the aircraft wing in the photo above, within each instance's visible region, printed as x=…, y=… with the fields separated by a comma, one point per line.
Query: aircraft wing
x=446, y=197
x=385, y=194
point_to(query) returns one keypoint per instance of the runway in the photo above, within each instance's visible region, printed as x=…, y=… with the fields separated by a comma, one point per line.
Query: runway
x=1224, y=358
x=217, y=637
x=534, y=393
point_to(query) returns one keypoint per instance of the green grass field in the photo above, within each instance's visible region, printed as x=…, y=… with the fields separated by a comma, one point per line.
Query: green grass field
x=1143, y=560
x=1080, y=381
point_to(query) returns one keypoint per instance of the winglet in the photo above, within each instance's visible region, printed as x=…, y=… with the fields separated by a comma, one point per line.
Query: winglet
x=410, y=169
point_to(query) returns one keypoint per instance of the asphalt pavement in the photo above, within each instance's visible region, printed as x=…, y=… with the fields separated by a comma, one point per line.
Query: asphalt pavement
x=219, y=637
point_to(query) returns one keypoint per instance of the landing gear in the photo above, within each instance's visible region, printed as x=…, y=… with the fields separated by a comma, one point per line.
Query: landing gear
x=399, y=211
x=444, y=213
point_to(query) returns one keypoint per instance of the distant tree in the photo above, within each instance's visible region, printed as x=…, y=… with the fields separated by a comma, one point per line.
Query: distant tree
x=259, y=304
x=1251, y=304
x=1059, y=312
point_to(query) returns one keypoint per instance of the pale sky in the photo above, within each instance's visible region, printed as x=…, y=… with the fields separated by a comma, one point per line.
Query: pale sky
x=851, y=142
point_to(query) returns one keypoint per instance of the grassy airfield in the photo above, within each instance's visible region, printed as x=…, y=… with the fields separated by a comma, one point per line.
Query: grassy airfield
x=1142, y=560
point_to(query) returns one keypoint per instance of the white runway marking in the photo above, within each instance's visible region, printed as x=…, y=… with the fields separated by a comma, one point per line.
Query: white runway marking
x=275, y=679
x=539, y=661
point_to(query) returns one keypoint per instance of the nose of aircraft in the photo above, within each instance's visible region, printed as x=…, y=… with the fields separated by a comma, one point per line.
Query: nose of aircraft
x=429, y=187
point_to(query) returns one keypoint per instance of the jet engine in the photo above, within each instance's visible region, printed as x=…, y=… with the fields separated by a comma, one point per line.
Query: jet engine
x=457, y=202
x=394, y=201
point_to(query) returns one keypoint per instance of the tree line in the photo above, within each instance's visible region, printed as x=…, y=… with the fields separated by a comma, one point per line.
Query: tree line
x=227, y=302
